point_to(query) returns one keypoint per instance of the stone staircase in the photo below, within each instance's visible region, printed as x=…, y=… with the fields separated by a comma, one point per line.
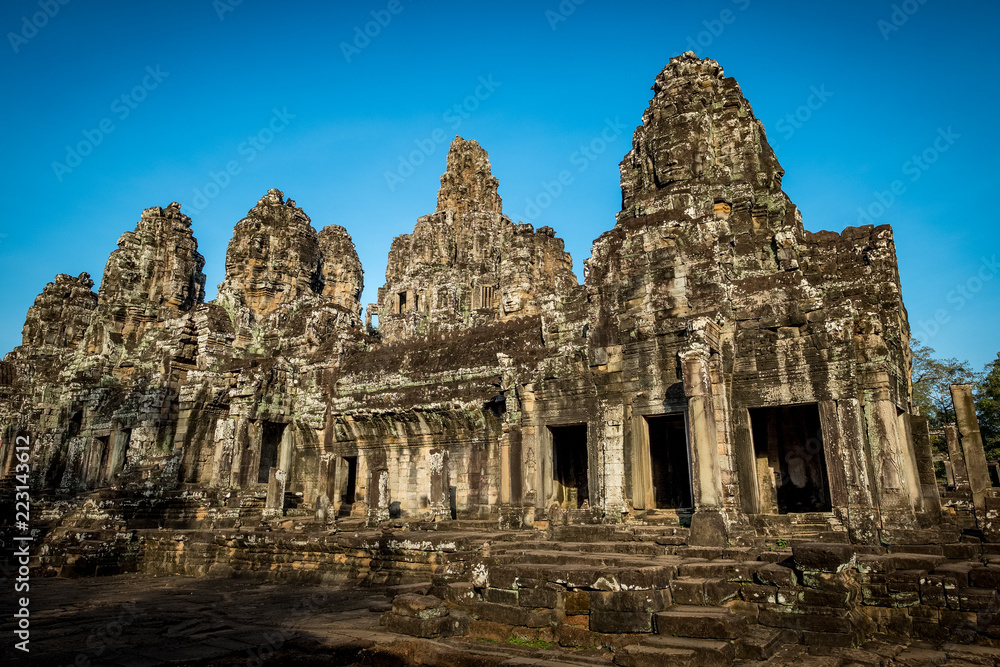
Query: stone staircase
x=643, y=595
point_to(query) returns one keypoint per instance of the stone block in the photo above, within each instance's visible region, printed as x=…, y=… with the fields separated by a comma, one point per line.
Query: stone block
x=822, y=557
x=419, y=606
x=577, y=602
x=773, y=574
x=700, y=623
x=985, y=577
x=500, y=596
x=621, y=622
x=708, y=652
x=803, y=618
x=548, y=598
x=626, y=601
x=638, y=655
x=509, y=615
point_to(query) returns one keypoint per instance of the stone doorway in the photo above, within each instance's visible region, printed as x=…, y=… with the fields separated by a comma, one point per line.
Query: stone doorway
x=569, y=465
x=347, y=485
x=791, y=462
x=669, y=461
x=270, y=441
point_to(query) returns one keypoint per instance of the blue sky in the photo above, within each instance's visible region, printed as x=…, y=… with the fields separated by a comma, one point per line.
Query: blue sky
x=225, y=99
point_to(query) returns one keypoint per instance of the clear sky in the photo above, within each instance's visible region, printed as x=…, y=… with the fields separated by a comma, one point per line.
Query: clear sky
x=212, y=103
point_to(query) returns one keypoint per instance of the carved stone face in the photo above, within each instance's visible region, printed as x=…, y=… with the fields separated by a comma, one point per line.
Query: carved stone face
x=678, y=147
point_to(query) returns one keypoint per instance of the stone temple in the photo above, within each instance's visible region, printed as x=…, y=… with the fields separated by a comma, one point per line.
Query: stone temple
x=706, y=452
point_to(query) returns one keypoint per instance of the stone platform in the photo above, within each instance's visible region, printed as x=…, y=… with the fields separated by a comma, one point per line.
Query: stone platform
x=454, y=593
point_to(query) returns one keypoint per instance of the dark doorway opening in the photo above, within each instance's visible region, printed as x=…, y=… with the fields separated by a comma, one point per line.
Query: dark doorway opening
x=101, y=447
x=791, y=440
x=569, y=465
x=348, y=484
x=668, y=458
x=270, y=440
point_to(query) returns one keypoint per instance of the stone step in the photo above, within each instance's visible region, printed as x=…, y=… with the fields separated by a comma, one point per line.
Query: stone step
x=591, y=576
x=626, y=548
x=639, y=655
x=759, y=642
x=516, y=615
x=700, y=592
x=511, y=654
x=707, y=652
x=699, y=622
x=589, y=533
x=726, y=570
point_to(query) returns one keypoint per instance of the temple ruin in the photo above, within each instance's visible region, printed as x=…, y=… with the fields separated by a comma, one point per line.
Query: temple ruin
x=726, y=393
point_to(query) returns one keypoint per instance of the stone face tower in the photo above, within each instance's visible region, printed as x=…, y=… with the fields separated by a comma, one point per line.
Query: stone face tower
x=468, y=264
x=277, y=265
x=155, y=275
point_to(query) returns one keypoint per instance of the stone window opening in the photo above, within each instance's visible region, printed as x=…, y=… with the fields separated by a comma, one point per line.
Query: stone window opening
x=791, y=461
x=569, y=465
x=486, y=296
x=669, y=460
x=402, y=303
x=270, y=440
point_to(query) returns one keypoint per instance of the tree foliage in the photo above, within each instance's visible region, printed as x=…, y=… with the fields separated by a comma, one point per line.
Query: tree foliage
x=932, y=380
x=988, y=408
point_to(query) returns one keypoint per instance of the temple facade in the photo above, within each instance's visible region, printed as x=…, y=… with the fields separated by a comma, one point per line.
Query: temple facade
x=718, y=362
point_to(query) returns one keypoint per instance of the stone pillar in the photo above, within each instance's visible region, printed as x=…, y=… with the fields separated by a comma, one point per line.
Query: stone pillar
x=440, y=497
x=972, y=448
x=707, y=525
x=505, y=466
x=959, y=473
x=949, y=474
x=925, y=467
x=610, y=463
x=863, y=518
x=274, y=506
x=378, y=496
x=896, y=481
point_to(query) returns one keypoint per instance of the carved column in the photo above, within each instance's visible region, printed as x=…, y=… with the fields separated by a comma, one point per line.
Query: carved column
x=896, y=481
x=378, y=496
x=440, y=496
x=708, y=528
x=274, y=506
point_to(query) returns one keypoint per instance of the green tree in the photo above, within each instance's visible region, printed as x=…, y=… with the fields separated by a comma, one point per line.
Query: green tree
x=988, y=408
x=932, y=380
